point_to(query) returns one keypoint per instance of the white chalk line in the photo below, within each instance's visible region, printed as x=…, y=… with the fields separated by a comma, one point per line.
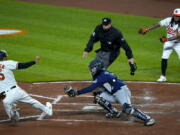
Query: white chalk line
x=146, y=82
x=40, y=96
x=59, y=97
x=89, y=96
x=87, y=121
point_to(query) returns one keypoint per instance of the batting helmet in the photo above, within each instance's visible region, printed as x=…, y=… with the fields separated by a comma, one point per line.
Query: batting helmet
x=3, y=54
x=176, y=12
x=96, y=64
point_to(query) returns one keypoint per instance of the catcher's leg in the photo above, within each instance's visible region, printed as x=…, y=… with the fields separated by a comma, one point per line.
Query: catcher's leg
x=112, y=111
x=128, y=109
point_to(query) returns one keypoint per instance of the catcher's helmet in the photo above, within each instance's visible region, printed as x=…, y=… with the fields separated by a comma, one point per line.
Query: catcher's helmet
x=96, y=64
x=176, y=12
x=3, y=54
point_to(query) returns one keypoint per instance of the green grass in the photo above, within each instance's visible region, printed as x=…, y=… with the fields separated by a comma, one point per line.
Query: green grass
x=59, y=35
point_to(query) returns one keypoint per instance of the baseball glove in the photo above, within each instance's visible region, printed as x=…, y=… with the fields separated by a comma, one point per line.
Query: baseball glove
x=163, y=39
x=2, y=95
x=70, y=91
x=133, y=68
x=143, y=31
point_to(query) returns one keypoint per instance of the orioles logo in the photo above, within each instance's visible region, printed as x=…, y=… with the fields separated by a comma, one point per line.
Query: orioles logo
x=4, y=32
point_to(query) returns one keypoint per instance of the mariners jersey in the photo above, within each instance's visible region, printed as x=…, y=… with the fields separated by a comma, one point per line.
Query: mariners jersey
x=7, y=79
x=171, y=28
x=105, y=79
x=111, y=41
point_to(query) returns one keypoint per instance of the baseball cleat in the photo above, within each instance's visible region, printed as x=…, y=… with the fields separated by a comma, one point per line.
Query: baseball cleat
x=14, y=113
x=49, y=106
x=113, y=115
x=49, y=111
x=15, y=117
x=162, y=79
x=149, y=122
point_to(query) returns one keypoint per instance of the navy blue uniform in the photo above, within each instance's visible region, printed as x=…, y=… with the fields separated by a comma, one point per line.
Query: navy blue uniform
x=105, y=79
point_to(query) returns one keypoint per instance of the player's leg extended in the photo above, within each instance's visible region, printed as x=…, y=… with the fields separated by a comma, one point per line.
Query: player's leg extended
x=25, y=98
x=104, y=100
x=123, y=96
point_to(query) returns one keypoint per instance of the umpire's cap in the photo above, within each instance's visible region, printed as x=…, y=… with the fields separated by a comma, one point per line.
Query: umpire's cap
x=106, y=21
x=3, y=54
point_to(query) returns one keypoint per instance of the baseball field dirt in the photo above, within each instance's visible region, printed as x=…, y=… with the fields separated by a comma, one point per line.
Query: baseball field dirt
x=80, y=116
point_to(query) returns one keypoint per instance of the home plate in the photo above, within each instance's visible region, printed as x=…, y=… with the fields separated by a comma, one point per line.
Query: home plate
x=92, y=108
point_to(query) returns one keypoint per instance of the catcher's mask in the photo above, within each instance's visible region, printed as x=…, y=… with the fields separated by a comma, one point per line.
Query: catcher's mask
x=3, y=54
x=96, y=67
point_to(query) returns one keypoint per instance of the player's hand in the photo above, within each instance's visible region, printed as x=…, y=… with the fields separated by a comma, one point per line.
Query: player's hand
x=143, y=31
x=85, y=54
x=37, y=59
x=163, y=39
x=131, y=60
x=133, y=66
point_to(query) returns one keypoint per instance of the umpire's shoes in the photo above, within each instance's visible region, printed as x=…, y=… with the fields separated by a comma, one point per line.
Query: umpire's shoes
x=113, y=115
x=149, y=122
x=162, y=79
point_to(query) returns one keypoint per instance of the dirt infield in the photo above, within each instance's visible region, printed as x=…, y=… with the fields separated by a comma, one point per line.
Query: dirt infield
x=78, y=116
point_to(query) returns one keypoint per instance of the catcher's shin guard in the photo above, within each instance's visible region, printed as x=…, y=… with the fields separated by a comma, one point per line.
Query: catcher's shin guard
x=106, y=105
x=128, y=109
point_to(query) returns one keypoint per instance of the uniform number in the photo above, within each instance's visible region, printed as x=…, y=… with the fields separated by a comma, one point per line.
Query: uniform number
x=2, y=77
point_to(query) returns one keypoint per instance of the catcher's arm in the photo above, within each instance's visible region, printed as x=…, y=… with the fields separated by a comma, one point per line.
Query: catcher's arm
x=2, y=95
x=68, y=90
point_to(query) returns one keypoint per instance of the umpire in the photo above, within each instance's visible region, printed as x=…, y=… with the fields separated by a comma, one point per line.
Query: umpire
x=111, y=40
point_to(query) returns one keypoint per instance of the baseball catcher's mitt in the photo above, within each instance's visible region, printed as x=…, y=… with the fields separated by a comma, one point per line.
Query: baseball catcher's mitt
x=2, y=95
x=70, y=91
x=133, y=68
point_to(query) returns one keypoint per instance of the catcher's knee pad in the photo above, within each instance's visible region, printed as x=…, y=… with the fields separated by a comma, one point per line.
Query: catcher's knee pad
x=105, y=104
x=127, y=108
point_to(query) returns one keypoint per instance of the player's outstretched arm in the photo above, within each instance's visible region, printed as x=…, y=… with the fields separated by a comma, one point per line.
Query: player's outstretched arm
x=25, y=65
x=145, y=30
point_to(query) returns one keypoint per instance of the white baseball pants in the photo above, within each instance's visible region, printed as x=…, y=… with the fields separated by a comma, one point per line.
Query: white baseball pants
x=19, y=95
x=169, y=47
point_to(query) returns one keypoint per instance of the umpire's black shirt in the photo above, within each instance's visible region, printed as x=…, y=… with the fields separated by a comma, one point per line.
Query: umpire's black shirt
x=111, y=40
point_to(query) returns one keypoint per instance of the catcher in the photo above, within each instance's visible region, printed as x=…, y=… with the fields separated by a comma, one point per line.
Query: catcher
x=114, y=90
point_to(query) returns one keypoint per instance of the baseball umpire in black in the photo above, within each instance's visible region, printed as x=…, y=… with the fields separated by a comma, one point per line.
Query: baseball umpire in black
x=111, y=40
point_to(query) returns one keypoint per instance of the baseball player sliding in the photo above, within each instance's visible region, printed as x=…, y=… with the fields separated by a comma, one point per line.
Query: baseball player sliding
x=11, y=93
x=171, y=41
